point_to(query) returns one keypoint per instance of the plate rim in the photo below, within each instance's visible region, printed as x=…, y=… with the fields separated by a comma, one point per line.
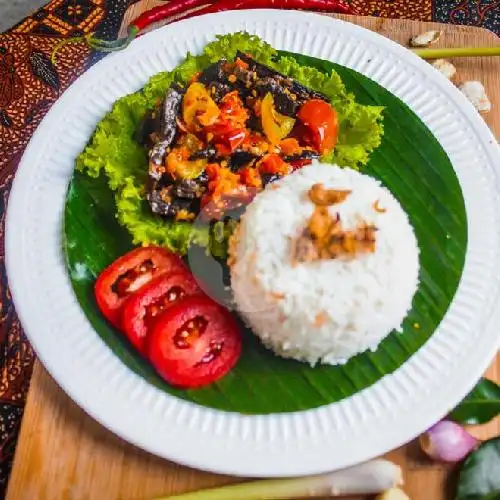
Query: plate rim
x=222, y=465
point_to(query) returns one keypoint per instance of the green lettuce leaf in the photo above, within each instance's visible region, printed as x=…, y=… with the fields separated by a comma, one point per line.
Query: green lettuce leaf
x=114, y=151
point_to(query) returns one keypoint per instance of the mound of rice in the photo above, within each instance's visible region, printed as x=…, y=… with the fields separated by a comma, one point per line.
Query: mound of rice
x=323, y=311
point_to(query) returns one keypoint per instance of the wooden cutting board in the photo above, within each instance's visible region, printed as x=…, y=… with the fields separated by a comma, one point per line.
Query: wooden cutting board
x=63, y=454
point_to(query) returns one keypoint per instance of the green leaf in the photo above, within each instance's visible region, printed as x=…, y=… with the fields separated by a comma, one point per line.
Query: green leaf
x=114, y=150
x=409, y=161
x=480, y=474
x=481, y=405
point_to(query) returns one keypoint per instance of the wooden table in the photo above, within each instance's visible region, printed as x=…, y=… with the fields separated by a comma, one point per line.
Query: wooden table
x=63, y=454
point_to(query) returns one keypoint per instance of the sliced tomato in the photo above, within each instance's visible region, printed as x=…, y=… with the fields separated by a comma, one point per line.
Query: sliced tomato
x=194, y=343
x=128, y=274
x=142, y=308
x=321, y=120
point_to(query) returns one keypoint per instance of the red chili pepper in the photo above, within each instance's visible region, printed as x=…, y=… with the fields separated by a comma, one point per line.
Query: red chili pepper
x=339, y=6
x=163, y=11
x=227, y=142
x=175, y=7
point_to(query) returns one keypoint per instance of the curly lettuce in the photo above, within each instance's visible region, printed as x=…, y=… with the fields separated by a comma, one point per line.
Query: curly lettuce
x=114, y=151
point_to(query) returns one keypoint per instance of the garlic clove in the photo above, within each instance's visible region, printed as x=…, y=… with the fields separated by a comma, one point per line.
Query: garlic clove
x=425, y=39
x=475, y=92
x=445, y=67
x=393, y=494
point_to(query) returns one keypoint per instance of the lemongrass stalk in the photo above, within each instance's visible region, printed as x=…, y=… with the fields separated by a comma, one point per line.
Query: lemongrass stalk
x=456, y=52
x=364, y=479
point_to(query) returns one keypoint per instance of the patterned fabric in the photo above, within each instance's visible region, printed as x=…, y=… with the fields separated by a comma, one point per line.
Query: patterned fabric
x=470, y=12
x=29, y=85
x=484, y=13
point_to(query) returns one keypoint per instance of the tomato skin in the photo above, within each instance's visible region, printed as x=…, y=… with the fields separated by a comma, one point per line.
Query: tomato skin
x=273, y=164
x=250, y=177
x=226, y=137
x=205, y=357
x=109, y=299
x=228, y=142
x=233, y=110
x=322, y=121
x=136, y=322
x=290, y=146
x=298, y=164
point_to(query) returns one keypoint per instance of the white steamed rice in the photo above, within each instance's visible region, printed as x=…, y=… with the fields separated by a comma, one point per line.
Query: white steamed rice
x=359, y=301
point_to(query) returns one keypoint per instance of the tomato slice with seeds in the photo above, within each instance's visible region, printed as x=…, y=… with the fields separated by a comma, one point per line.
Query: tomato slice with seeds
x=142, y=308
x=194, y=343
x=128, y=274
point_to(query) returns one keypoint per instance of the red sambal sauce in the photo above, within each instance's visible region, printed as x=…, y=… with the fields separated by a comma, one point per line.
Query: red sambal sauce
x=235, y=128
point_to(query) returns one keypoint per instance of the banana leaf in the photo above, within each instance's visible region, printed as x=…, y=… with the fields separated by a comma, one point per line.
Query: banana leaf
x=410, y=163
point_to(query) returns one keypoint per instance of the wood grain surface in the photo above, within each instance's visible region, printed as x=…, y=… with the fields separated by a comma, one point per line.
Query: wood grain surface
x=63, y=454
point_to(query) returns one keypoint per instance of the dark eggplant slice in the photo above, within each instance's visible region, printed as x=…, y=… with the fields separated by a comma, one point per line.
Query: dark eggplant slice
x=219, y=90
x=264, y=71
x=157, y=154
x=167, y=196
x=209, y=153
x=170, y=110
x=216, y=80
x=268, y=178
x=156, y=171
x=285, y=101
x=305, y=155
x=254, y=123
x=168, y=206
x=148, y=128
x=240, y=159
x=214, y=73
x=189, y=189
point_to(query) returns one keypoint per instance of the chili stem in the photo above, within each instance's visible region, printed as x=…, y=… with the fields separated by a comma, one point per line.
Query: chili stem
x=338, y=6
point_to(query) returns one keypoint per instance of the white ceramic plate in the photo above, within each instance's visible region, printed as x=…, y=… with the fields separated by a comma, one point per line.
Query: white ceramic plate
x=380, y=418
